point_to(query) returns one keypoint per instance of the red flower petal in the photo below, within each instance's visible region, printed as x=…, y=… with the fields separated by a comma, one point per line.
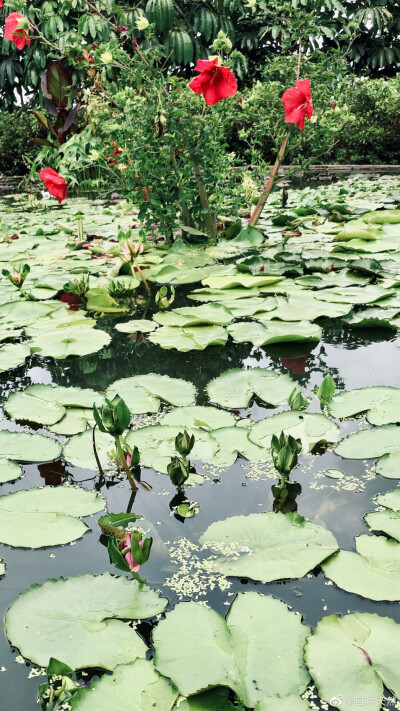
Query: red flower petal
x=297, y=103
x=214, y=82
x=55, y=184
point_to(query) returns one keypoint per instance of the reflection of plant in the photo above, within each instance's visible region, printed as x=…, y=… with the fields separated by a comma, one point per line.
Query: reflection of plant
x=114, y=418
x=179, y=467
x=326, y=390
x=285, y=450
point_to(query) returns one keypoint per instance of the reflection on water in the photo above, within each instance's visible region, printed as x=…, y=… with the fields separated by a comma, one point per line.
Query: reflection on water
x=353, y=359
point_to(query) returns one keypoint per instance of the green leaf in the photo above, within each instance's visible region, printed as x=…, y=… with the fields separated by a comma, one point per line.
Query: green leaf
x=142, y=393
x=290, y=703
x=190, y=338
x=209, y=418
x=235, y=388
x=313, y=429
x=25, y=447
x=9, y=470
x=56, y=84
x=267, y=546
x=372, y=572
x=78, y=341
x=79, y=620
x=50, y=516
x=139, y=682
x=257, y=651
x=381, y=403
x=12, y=355
x=364, y=649
x=274, y=332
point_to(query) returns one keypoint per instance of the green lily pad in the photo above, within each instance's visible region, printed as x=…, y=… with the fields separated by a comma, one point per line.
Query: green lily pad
x=25, y=447
x=206, y=314
x=22, y=406
x=139, y=682
x=78, y=451
x=364, y=649
x=353, y=294
x=381, y=403
x=189, y=338
x=50, y=516
x=370, y=443
x=12, y=355
x=76, y=342
x=312, y=428
x=372, y=572
x=263, y=334
x=208, y=418
x=9, y=470
x=290, y=703
x=143, y=393
x=136, y=325
x=235, y=388
x=267, y=546
x=248, y=281
x=156, y=445
x=79, y=620
x=257, y=651
x=233, y=441
x=389, y=466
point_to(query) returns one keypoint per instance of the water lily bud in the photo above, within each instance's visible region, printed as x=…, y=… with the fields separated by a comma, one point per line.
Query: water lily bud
x=112, y=417
x=184, y=443
x=142, y=23
x=106, y=57
x=126, y=550
x=17, y=276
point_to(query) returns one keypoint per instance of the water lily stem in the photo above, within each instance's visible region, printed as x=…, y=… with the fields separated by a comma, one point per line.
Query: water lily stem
x=269, y=184
x=125, y=467
x=144, y=280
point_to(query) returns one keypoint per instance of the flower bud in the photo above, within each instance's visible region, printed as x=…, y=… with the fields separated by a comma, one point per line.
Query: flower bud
x=184, y=443
x=142, y=23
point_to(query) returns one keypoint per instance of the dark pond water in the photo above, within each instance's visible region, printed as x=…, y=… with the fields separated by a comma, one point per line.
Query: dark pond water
x=354, y=360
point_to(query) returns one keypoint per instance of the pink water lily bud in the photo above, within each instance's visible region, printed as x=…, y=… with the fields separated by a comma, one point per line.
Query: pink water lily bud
x=126, y=543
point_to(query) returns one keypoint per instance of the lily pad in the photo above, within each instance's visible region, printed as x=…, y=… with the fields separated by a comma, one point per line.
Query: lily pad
x=233, y=441
x=269, y=663
x=372, y=572
x=386, y=521
x=25, y=447
x=364, y=648
x=156, y=445
x=139, y=682
x=12, y=355
x=136, y=325
x=263, y=334
x=77, y=342
x=189, y=338
x=290, y=703
x=79, y=620
x=208, y=418
x=79, y=450
x=381, y=403
x=370, y=443
x=235, y=388
x=248, y=281
x=206, y=314
x=9, y=470
x=22, y=406
x=143, y=393
x=267, y=546
x=312, y=428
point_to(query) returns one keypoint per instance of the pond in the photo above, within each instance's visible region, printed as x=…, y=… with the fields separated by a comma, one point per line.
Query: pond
x=263, y=318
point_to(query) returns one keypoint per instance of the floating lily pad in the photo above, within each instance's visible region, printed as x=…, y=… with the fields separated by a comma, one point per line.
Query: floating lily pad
x=77, y=342
x=207, y=314
x=267, y=546
x=389, y=465
x=9, y=470
x=312, y=428
x=364, y=649
x=12, y=355
x=143, y=393
x=139, y=682
x=21, y=406
x=208, y=418
x=25, y=447
x=269, y=663
x=263, y=334
x=290, y=703
x=372, y=572
x=248, y=281
x=189, y=338
x=35, y=518
x=79, y=620
x=79, y=450
x=156, y=445
x=371, y=443
x=235, y=388
x=381, y=403
x=233, y=441
x=136, y=325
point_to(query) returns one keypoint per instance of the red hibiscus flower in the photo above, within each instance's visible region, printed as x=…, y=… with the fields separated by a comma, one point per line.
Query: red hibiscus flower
x=214, y=82
x=15, y=30
x=87, y=57
x=297, y=103
x=1, y=3
x=54, y=183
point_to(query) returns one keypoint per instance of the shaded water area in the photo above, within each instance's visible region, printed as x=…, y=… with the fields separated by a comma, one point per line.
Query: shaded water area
x=354, y=358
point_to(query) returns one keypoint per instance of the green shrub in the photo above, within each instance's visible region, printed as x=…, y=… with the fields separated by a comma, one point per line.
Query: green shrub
x=16, y=153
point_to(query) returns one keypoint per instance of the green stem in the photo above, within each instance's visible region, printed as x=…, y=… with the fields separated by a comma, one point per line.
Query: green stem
x=125, y=467
x=211, y=226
